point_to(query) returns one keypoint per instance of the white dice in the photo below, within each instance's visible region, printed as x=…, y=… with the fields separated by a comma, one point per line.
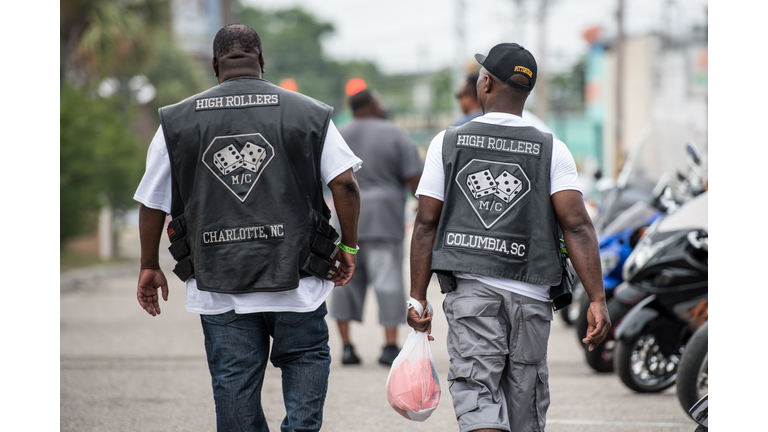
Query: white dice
x=253, y=156
x=228, y=159
x=481, y=183
x=507, y=186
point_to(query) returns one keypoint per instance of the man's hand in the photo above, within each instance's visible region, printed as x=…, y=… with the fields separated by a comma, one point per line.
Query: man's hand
x=599, y=324
x=581, y=241
x=421, y=323
x=149, y=281
x=346, y=199
x=346, y=268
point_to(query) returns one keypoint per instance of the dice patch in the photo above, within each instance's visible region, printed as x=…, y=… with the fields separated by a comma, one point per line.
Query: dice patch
x=481, y=183
x=253, y=155
x=228, y=159
x=238, y=161
x=492, y=188
x=508, y=186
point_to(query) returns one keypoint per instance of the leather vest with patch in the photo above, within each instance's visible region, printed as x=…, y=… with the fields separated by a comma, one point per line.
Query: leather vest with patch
x=497, y=216
x=245, y=165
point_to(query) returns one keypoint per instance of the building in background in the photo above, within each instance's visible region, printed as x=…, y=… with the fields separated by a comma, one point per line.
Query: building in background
x=195, y=23
x=663, y=103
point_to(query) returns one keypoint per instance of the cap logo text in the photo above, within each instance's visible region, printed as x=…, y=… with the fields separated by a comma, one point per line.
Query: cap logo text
x=524, y=70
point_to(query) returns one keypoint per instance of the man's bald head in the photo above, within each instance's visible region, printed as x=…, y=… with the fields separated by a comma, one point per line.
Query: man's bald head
x=237, y=52
x=236, y=38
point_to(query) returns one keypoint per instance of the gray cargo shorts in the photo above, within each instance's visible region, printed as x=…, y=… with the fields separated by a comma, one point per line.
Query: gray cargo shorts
x=497, y=342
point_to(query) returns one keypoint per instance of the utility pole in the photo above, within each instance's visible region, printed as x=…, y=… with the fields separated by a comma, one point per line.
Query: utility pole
x=542, y=81
x=618, y=153
x=459, y=71
x=519, y=34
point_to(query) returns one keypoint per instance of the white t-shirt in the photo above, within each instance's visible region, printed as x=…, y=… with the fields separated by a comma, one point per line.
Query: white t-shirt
x=155, y=192
x=563, y=176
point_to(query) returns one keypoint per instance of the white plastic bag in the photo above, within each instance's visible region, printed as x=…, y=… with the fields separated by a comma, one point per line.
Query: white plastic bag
x=413, y=389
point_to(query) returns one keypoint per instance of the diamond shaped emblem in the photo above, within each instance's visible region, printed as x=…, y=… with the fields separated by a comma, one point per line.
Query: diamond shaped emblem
x=238, y=161
x=492, y=188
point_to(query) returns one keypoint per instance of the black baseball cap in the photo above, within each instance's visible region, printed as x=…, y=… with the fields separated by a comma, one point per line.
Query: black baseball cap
x=508, y=59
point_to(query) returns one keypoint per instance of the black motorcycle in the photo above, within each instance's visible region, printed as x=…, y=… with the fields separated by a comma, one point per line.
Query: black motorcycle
x=621, y=296
x=668, y=271
x=693, y=372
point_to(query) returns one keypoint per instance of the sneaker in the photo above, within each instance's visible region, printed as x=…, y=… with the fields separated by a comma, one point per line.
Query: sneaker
x=349, y=357
x=388, y=354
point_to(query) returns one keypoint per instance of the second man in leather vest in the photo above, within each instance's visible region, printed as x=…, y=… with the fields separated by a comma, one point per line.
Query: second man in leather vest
x=493, y=196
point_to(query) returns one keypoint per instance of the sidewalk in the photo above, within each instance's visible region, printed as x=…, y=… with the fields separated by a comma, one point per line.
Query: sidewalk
x=123, y=370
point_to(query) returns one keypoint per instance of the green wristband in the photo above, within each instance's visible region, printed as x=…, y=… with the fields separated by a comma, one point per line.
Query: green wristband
x=347, y=249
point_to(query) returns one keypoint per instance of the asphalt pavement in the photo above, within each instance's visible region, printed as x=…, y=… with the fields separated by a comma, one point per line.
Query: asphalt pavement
x=124, y=370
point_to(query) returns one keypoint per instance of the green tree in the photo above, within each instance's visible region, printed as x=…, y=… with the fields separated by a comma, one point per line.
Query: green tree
x=174, y=75
x=109, y=38
x=101, y=157
x=100, y=163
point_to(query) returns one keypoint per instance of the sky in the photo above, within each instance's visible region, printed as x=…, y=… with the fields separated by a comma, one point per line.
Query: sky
x=403, y=36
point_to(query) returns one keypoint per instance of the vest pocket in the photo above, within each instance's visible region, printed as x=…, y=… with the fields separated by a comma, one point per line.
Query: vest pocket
x=464, y=391
x=532, y=333
x=480, y=332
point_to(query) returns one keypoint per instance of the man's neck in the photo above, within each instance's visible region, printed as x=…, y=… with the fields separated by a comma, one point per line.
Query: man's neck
x=506, y=108
x=235, y=73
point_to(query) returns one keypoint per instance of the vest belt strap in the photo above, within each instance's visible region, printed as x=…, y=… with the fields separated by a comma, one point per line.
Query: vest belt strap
x=184, y=269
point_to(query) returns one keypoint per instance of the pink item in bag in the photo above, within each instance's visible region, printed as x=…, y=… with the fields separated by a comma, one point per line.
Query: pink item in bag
x=413, y=389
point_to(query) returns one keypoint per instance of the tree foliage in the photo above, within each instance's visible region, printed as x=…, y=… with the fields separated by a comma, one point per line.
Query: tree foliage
x=99, y=162
x=103, y=38
x=101, y=157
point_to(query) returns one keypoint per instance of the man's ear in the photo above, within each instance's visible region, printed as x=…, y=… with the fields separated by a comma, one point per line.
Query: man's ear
x=261, y=62
x=487, y=83
x=215, y=65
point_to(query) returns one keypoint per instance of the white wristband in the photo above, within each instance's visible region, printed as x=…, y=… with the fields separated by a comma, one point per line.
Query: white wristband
x=413, y=303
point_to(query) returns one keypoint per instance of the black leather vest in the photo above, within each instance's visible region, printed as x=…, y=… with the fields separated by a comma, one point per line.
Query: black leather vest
x=497, y=217
x=245, y=165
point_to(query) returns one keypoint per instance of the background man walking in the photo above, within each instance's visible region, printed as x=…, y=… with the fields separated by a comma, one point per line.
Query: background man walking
x=392, y=167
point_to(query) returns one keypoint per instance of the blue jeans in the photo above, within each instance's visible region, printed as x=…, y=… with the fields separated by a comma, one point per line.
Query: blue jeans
x=237, y=347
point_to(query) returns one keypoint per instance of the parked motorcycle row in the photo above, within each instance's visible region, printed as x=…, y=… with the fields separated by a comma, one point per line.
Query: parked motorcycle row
x=654, y=257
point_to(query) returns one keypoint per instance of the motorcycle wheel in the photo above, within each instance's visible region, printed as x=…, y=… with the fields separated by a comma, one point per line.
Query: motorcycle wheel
x=601, y=358
x=570, y=314
x=643, y=367
x=692, y=375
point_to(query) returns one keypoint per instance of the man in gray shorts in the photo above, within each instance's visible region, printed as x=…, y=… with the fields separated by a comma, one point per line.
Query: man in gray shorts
x=493, y=196
x=391, y=166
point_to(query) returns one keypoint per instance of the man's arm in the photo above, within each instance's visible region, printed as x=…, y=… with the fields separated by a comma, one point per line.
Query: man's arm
x=151, y=278
x=422, y=240
x=346, y=200
x=581, y=243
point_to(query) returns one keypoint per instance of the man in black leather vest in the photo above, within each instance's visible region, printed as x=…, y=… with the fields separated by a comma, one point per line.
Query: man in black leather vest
x=240, y=169
x=492, y=201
